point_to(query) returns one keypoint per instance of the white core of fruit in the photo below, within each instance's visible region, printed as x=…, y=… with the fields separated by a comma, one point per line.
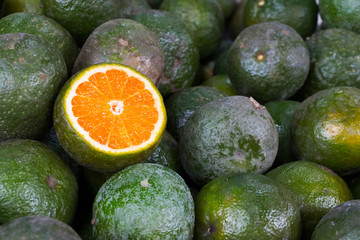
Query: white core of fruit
x=116, y=106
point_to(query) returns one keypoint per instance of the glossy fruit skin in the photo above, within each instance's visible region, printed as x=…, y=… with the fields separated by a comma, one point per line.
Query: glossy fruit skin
x=80, y=18
x=32, y=71
x=37, y=228
x=222, y=83
x=167, y=153
x=315, y=188
x=341, y=222
x=341, y=14
x=246, y=206
x=270, y=56
x=335, y=60
x=126, y=42
x=181, y=105
x=204, y=20
x=144, y=201
x=325, y=129
x=84, y=153
x=301, y=15
x=282, y=112
x=35, y=181
x=181, y=53
x=228, y=135
x=44, y=27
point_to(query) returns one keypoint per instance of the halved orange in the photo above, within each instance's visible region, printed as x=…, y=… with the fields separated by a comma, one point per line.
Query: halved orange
x=109, y=116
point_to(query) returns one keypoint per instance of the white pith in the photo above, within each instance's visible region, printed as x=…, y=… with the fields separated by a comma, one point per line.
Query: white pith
x=70, y=94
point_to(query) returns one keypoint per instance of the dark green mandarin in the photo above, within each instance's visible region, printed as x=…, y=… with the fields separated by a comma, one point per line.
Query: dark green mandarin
x=270, y=56
x=37, y=228
x=335, y=60
x=341, y=222
x=181, y=53
x=181, y=105
x=246, y=206
x=31, y=73
x=35, y=181
x=123, y=41
x=144, y=201
x=222, y=83
x=315, y=188
x=228, y=135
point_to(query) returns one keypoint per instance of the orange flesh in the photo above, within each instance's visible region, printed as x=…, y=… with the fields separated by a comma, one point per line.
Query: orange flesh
x=115, y=109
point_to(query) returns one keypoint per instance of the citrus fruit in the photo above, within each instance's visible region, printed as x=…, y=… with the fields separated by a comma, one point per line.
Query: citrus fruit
x=167, y=153
x=325, y=129
x=341, y=222
x=228, y=135
x=227, y=7
x=13, y=6
x=246, y=206
x=123, y=41
x=180, y=106
x=299, y=14
x=181, y=53
x=81, y=17
x=204, y=21
x=354, y=185
x=32, y=71
x=37, y=228
x=236, y=23
x=35, y=181
x=44, y=27
x=268, y=61
x=341, y=14
x=315, y=188
x=282, y=112
x=94, y=180
x=221, y=63
x=335, y=60
x=144, y=201
x=221, y=82
x=109, y=116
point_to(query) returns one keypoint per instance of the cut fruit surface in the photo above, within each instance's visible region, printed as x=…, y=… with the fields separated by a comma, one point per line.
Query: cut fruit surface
x=114, y=110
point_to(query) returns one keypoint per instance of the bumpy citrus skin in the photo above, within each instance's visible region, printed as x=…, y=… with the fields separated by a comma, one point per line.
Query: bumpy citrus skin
x=222, y=83
x=80, y=18
x=37, y=228
x=44, y=27
x=335, y=60
x=31, y=73
x=298, y=14
x=268, y=61
x=181, y=53
x=84, y=153
x=228, y=135
x=315, y=188
x=144, y=201
x=204, y=21
x=325, y=129
x=35, y=181
x=282, y=112
x=341, y=222
x=341, y=14
x=246, y=206
x=123, y=41
x=181, y=105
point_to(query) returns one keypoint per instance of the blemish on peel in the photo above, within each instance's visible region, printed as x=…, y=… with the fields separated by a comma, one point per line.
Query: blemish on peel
x=145, y=183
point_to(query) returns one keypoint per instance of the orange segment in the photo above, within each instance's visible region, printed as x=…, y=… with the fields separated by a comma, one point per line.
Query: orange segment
x=115, y=109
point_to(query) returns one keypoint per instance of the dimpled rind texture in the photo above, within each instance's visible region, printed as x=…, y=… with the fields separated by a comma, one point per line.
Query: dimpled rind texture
x=35, y=181
x=181, y=53
x=228, y=135
x=144, y=201
x=123, y=41
x=341, y=222
x=31, y=73
x=46, y=28
x=268, y=61
x=37, y=228
x=325, y=129
x=246, y=206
